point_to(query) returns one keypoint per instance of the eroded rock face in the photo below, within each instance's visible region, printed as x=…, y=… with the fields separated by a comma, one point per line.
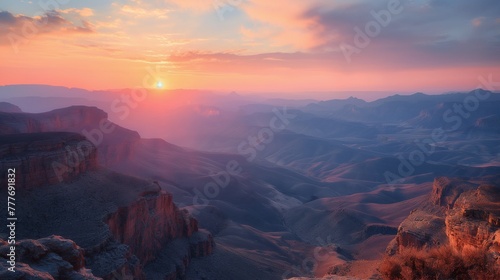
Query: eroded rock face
x=75, y=117
x=120, y=223
x=46, y=158
x=474, y=221
x=149, y=223
x=48, y=258
x=422, y=229
x=114, y=143
x=445, y=191
x=461, y=213
x=158, y=232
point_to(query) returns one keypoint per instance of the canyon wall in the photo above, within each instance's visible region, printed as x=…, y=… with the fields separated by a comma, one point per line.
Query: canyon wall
x=46, y=158
x=118, y=224
x=460, y=213
x=152, y=221
x=114, y=142
x=474, y=221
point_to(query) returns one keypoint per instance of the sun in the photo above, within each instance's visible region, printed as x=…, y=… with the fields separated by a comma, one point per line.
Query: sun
x=159, y=84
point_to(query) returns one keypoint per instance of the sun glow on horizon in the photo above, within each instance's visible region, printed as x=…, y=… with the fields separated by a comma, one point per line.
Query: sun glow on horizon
x=114, y=44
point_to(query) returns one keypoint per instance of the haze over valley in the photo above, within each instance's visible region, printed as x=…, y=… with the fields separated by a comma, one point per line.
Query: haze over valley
x=250, y=140
x=272, y=185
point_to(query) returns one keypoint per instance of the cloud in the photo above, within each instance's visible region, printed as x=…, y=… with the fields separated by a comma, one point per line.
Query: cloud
x=284, y=18
x=428, y=33
x=85, y=12
x=139, y=12
x=281, y=19
x=280, y=35
x=232, y=62
x=24, y=27
x=197, y=5
x=7, y=18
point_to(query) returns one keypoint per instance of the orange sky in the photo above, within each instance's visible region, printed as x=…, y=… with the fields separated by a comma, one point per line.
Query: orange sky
x=249, y=45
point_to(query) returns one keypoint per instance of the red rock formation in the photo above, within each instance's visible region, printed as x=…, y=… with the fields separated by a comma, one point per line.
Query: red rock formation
x=74, y=118
x=445, y=191
x=153, y=224
x=149, y=223
x=114, y=143
x=137, y=213
x=46, y=158
x=422, y=229
x=474, y=220
x=462, y=214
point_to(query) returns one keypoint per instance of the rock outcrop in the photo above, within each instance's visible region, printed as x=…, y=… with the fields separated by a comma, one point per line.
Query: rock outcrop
x=46, y=158
x=47, y=258
x=114, y=143
x=422, y=229
x=151, y=222
x=446, y=191
x=153, y=225
x=463, y=214
x=474, y=221
x=75, y=117
x=120, y=223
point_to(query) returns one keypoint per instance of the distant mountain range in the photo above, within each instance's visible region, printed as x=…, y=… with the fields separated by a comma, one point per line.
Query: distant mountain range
x=238, y=188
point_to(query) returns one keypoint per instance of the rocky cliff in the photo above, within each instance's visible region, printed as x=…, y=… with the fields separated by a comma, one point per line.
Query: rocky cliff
x=474, y=220
x=46, y=158
x=461, y=213
x=151, y=222
x=119, y=223
x=47, y=258
x=114, y=143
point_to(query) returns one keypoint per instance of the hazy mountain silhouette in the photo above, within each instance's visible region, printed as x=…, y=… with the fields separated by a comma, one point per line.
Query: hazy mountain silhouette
x=319, y=181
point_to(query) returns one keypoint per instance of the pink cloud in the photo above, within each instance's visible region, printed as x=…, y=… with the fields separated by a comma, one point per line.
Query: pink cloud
x=21, y=27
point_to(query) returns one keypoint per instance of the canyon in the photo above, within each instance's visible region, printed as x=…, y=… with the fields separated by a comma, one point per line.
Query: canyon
x=115, y=224
x=201, y=209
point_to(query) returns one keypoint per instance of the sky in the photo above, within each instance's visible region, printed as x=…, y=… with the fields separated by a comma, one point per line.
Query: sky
x=251, y=45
